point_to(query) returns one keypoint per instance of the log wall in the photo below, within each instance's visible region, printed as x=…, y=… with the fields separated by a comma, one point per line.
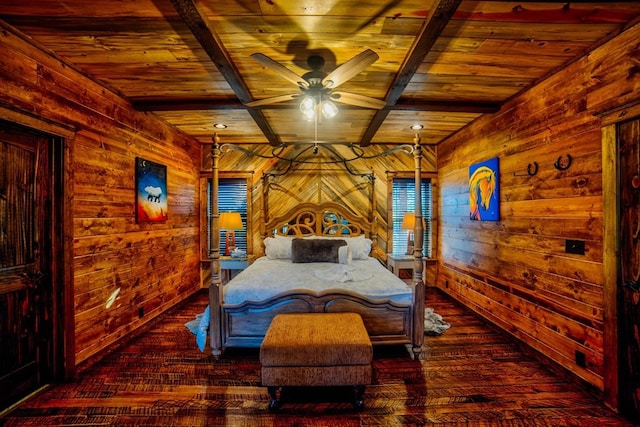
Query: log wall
x=515, y=272
x=154, y=265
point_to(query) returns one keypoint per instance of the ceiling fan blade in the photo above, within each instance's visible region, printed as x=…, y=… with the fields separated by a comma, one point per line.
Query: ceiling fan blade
x=273, y=100
x=350, y=68
x=359, y=100
x=280, y=69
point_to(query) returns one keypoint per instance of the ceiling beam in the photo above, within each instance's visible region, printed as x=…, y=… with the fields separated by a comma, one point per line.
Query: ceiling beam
x=446, y=106
x=434, y=24
x=212, y=104
x=149, y=103
x=196, y=20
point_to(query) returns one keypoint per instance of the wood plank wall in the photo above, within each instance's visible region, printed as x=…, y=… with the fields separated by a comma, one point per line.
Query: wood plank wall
x=153, y=265
x=515, y=272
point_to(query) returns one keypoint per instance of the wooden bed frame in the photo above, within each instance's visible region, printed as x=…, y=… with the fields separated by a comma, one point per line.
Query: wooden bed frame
x=387, y=322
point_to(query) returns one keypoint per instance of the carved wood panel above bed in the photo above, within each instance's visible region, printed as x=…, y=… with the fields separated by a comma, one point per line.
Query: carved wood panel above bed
x=325, y=219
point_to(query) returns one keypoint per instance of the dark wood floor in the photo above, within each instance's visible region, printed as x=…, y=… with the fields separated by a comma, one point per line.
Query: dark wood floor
x=472, y=376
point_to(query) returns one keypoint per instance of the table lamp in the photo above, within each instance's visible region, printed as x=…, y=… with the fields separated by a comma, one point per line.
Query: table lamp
x=229, y=222
x=409, y=223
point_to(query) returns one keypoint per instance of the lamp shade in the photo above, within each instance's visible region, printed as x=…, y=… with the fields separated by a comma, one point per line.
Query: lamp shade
x=230, y=221
x=408, y=221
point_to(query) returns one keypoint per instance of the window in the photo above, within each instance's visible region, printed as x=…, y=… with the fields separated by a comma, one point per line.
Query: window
x=403, y=200
x=232, y=197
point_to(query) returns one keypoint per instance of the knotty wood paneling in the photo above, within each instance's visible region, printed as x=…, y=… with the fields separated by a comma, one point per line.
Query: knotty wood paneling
x=153, y=265
x=515, y=272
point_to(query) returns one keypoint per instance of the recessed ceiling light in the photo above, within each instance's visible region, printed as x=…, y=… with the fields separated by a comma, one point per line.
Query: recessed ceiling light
x=219, y=126
x=416, y=127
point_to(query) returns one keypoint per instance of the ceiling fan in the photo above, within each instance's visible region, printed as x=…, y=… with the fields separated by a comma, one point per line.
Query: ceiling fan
x=317, y=87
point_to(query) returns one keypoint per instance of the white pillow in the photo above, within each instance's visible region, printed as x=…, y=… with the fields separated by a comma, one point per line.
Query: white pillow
x=360, y=246
x=278, y=247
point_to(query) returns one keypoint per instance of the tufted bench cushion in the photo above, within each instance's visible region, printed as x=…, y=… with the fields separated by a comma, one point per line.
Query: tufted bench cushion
x=316, y=349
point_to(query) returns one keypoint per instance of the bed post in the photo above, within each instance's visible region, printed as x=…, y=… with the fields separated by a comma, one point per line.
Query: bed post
x=372, y=215
x=215, y=288
x=265, y=205
x=418, y=266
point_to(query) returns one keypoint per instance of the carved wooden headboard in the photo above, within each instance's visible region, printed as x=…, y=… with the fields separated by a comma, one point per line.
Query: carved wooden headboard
x=325, y=219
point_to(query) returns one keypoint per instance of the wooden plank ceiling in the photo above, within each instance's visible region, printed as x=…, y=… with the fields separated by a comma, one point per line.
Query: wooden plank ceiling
x=442, y=63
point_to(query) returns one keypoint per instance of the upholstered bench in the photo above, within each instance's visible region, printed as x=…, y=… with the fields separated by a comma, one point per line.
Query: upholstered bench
x=316, y=349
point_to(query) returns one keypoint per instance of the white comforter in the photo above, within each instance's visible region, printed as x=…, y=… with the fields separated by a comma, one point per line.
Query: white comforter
x=265, y=278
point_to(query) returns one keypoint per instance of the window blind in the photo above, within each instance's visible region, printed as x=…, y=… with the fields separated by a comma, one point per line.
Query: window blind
x=403, y=200
x=232, y=197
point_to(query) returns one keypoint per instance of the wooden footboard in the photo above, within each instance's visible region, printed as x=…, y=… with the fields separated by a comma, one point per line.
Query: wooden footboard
x=244, y=325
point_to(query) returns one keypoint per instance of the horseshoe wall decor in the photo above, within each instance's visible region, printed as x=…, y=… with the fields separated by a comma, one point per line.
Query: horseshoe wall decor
x=563, y=166
x=532, y=169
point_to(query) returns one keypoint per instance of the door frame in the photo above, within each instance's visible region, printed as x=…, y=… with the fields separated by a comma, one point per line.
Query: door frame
x=611, y=247
x=63, y=362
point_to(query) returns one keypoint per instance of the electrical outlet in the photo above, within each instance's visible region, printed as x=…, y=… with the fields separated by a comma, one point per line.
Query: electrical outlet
x=581, y=359
x=574, y=246
x=446, y=284
x=141, y=312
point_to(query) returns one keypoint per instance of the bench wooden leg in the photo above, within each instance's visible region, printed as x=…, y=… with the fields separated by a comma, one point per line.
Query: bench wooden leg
x=359, y=400
x=273, y=392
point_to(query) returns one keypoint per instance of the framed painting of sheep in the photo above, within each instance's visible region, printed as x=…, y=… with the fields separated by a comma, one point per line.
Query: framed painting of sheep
x=151, y=191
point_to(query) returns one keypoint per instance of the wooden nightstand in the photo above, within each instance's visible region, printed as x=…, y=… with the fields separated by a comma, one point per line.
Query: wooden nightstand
x=395, y=263
x=229, y=267
x=404, y=263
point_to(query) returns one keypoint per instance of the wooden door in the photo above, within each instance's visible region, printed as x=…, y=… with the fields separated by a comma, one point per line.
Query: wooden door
x=629, y=304
x=26, y=297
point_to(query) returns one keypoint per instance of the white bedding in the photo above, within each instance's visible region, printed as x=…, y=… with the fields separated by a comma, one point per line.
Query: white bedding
x=265, y=278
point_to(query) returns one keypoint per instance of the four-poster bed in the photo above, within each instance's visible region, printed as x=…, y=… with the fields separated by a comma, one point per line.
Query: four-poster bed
x=393, y=311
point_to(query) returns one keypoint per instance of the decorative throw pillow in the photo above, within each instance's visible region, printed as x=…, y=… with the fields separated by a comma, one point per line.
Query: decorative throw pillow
x=360, y=246
x=316, y=250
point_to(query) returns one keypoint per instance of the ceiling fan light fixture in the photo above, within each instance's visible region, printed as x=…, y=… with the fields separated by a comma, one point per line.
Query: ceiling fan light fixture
x=317, y=85
x=329, y=109
x=307, y=103
x=416, y=127
x=308, y=107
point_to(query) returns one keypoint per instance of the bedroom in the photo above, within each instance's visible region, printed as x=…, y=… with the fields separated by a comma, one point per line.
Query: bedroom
x=515, y=271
